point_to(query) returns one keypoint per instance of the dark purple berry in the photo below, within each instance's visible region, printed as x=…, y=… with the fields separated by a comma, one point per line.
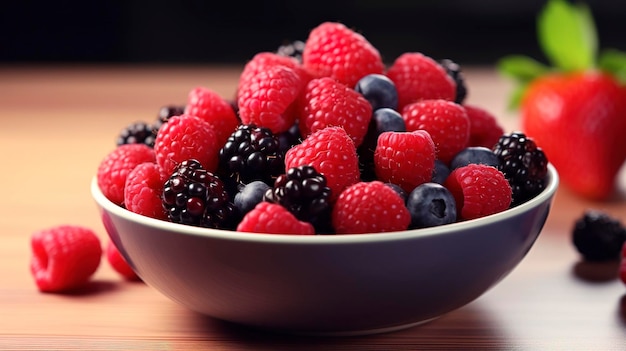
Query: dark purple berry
x=475, y=155
x=455, y=72
x=431, y=204
x=249, y=196
x=598, y=236
x=379, y=90
x=136, y=133
x=440, y=172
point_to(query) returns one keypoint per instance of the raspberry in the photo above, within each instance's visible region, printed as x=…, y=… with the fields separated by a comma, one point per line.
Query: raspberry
x=445, y=121
x=195, y=196
x=116, y=165
x=406, y=159
x=251, y=153
x=136, y=133
x=622, y=266
x=419, y=77
x=273, y=219
x=142, y=193
x=523, y=163
x=266, y=98
x=325, y=102
x=383, y=120
x=454, y=71
x=332, y=153
x=303, y=191
x=186, y=137
x=210, y=106
x=484, y=128
x=479, y=190
x=263, y=61
x=598, y=237
x=64, y=257
x=336, y=51
x=369, y=207
x=118, y=263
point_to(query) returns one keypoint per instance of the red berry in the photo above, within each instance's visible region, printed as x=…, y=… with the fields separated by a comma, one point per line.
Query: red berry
x=272, y=218
x=211, y=107
x=332, y=153
x=622, y=266
x=263, y=61
x=118, y=263
x=419, y=77
x=484, y=127
x=370, y=207
x=64, y=257
x=116, y=165
x=479, y=190
x=142, y=193
x=445, y=121
x=186, y=137
x=325, y=102
x=405, y=159
x=336, y=51
x=267, y=98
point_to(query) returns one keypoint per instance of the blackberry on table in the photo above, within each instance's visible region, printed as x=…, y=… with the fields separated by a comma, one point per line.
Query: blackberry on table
x=598, y=236
x=454, y=71
x=251, y=153
x=136, y=133
x=195, y=196
x=304, y=192
x=524, y=165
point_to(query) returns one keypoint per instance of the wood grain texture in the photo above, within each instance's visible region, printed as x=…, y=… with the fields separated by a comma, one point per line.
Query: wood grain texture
x=58, y=122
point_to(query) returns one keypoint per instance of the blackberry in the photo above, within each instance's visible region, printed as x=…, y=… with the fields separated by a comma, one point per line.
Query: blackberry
x=251, y=153
x=304, y=192
x=598, y=236
x=165, y=113
x=454, y=71
x=136, y=133
x=524, y=165
x=292, y=49
x=195, y=196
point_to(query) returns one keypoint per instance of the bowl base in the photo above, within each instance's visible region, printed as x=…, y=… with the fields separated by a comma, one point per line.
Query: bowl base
x=349, y=333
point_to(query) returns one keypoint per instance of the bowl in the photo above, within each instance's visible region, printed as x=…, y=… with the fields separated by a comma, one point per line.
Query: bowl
x=327, y=284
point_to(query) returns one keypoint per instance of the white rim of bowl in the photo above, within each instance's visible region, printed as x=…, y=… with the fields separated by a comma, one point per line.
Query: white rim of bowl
x=182, y=229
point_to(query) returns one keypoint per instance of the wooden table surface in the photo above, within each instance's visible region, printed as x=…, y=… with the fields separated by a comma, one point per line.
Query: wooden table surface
x=58, y=122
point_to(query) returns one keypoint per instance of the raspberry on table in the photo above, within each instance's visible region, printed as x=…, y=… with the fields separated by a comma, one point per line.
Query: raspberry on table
x=192, y=195
x=251, y=153
x=598, y=236
x=479, y=190
x=332, y=153
x=445, y=121
x=338, y=52
x=369, y=207
x=272, y=218
x=484, y=127
x=142, y=192
x=208, y=105
x=419, y=77
x=186, y=137
x=405, y=158
x=524, y=164
x=325, y=102
x=115, y=167
x=303, y=191
x=64, y=257
x=118, y=263
x=267, y=98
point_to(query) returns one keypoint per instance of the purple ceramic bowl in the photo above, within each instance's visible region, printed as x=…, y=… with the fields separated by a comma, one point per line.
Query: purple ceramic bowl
x=335, y=284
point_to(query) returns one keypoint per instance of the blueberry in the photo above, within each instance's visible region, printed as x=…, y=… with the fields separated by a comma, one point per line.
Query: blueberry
x=431, y=204
x=440, y=172
x=379, y=90
x=249, y=196
x=475, y=154
x=398, y=190
x=388, y=120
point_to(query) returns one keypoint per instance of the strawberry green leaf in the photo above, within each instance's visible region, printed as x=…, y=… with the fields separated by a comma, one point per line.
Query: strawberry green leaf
x=614, y=62
x=515, y=99
x=567, y=35
x=521, y=68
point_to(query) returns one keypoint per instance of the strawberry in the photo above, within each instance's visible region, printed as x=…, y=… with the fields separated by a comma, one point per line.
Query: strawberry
x=336, y=51
x=575, y=108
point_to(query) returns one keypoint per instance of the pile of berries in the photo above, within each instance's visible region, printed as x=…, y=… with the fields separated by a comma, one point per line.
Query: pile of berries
x=321, y=137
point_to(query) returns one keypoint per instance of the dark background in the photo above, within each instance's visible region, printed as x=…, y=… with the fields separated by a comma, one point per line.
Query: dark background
x=196, y=31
